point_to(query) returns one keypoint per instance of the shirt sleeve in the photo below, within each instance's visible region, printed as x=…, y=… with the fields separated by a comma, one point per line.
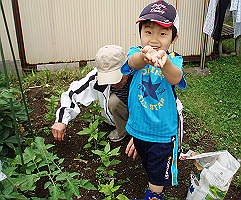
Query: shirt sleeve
x=177, y=60
x=79, y=92
x=126, y=69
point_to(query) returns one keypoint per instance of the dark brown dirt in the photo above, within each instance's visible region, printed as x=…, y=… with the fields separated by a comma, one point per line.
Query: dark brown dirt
x=130, y=173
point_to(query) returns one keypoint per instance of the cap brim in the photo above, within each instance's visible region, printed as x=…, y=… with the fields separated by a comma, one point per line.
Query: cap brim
x=110, y=77
x=152, y=17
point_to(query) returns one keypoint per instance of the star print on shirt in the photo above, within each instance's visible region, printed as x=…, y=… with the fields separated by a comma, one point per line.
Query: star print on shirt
x=150, y=89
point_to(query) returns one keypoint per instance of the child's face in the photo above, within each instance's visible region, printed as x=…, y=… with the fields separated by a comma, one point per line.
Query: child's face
x=158, y=37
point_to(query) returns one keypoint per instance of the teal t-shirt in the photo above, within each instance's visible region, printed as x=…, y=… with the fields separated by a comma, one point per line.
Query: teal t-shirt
x=151, y=102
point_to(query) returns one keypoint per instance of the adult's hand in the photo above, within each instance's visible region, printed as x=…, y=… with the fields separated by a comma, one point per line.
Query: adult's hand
x=130, y=149
x=122, y=83
x=58, y=130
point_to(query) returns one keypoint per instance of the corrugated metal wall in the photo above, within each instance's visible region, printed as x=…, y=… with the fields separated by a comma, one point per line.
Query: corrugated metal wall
x=10, y=21
x=192, y=17
x=74, y=30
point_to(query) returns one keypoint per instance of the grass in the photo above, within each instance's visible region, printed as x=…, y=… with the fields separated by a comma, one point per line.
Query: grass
x=44, y=78
x=213, y=102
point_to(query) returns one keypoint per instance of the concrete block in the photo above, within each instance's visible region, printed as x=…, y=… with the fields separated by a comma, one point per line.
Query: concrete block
x=58, y=66
x=11, y=67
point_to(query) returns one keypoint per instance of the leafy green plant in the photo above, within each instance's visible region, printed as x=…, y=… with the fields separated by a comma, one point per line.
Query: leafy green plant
x=45, y=78
x=8, y=138
x=94, y=135
x=50, y=116
x=94, y=114
x=105, y=156
x=41, y=163
x=109, y=191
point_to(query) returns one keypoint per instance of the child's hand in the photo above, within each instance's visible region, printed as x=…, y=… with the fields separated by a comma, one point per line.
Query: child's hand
x=153, y=57
x=130, y=149
x=162, y=59
x=150, y=55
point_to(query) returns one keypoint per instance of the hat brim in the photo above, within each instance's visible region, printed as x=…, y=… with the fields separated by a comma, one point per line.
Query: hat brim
x=152, y=17
x=113, y=77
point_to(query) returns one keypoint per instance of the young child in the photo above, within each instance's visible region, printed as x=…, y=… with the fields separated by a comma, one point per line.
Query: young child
x=153, y=119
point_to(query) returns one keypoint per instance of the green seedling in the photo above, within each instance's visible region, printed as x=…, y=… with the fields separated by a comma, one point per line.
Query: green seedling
x=105, y=156
x=94, y=114
x=8, y=137
x=109, y=191
x=50, y=116
x=120, y=181
x=47, y=130
x=94, y=135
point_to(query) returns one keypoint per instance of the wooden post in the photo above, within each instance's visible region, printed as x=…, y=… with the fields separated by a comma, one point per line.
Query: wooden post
x=203, y=55
x=220, y=48
x=237, y=45
x=19, y=32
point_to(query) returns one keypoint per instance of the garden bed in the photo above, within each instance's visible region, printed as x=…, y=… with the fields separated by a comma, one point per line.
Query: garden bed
x=130, y=173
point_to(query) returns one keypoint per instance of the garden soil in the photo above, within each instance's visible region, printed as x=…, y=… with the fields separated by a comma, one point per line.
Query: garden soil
x=130, y=173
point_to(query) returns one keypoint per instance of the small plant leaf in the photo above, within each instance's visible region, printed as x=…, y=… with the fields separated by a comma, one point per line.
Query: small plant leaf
x=103, y=143
x=88, y=145
x=114, y=152
x=115, y=162
x=47, y=184
x=107, y=148
x=61, y=160
x=48, y=146
x=122, y=197
x=86, y=184
x=111, y=172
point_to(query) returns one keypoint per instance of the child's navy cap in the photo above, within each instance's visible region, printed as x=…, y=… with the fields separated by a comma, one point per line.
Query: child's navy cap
x=161, y=13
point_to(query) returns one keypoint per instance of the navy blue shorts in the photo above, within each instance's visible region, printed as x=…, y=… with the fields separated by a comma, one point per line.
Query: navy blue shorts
x=159, y=161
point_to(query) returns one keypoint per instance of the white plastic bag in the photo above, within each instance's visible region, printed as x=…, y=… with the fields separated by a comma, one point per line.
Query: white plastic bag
x=212, y=175
x=2, y=175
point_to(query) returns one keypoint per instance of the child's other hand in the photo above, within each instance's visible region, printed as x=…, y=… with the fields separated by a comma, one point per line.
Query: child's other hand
x=130, y=149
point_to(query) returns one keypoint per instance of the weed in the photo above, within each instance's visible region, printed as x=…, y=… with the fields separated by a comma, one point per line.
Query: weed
x=120, y=181
x=137, y=166
x=47, y=130
x=50, y=116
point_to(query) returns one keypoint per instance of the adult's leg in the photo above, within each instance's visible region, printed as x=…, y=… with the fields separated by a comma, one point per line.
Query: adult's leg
x=119, y=112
